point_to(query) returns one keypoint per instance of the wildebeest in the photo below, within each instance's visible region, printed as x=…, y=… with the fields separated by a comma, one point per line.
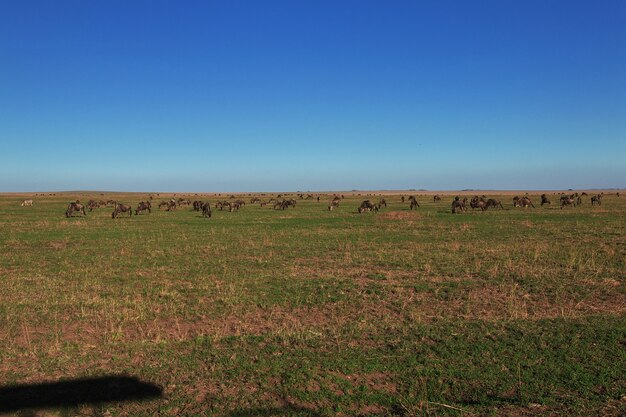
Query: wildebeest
x=382, y=202
x=197, y=205
x=524, y=202
x=478, y=202
x=402, y=198
x=75, y=207
x=414, y=203
x=367, y=205
x=170, y=205
x=142, y=206
x=92, y=204
x=544, y=199
x=332, y=205
x=481, y=203
x=111, y=203
x=224, y=204
x=596, y=199
x=492, y=202
x=282, y=205
x=436, y=198
x=459, y=205
x=27, y=203
x=122, y=208
x=206, y=210
x=567, y=201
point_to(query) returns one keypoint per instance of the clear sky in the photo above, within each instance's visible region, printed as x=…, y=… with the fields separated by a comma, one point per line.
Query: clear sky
x=312, y=95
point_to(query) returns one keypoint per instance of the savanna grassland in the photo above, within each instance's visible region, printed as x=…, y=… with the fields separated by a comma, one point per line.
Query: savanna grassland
x=312, y=312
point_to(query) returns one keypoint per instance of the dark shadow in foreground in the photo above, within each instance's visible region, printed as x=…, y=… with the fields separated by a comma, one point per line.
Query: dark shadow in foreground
x=75, y=392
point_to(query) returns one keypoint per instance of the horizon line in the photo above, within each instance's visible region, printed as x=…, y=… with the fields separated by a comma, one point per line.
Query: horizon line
x=385, y=190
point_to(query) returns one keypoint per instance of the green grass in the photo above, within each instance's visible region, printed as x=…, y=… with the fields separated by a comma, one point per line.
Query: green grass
x=310, y=312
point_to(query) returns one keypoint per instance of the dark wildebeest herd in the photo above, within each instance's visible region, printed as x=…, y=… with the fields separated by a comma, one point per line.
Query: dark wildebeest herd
x=460, y=204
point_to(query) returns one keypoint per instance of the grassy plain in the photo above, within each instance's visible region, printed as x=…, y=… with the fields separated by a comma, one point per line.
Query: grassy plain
x=312, y=313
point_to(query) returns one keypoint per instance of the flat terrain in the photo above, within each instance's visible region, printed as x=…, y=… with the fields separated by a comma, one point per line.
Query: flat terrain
x=313, y=313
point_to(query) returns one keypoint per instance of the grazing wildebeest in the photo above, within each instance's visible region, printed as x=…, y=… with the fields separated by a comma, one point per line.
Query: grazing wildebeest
x=414, y=203
x=27, y=203
x=382, y=202
x=367, y=205
x=92, y=204
x=492, y=202
x=567, y=201
x=111, y=203
x=436, y=198
x=184, y=202
x=478, y=202
x=223, y=204
x=142, y=206
x=596, y=199
x=168, y=205
x=75, y=207
x=524, y=202
x=255, y=200
x=459, y=205
x=544, y=199
x=206, y=210
x=122, y=208
x=282, y=205
x=197, y=205
x=332, y=205
x=318, y=198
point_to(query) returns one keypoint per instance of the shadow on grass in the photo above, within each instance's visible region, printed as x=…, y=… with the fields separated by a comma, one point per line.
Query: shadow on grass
x=74, y=392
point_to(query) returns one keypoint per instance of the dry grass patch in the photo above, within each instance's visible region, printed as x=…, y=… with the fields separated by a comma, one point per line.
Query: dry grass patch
x=400, y=215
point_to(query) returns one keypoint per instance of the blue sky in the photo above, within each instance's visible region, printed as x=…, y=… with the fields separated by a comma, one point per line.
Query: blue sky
x=312, y=95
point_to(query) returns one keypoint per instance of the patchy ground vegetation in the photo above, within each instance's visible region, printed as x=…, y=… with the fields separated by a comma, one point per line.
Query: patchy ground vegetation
x=408, y=310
